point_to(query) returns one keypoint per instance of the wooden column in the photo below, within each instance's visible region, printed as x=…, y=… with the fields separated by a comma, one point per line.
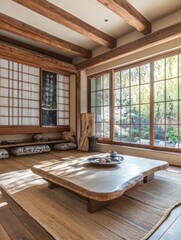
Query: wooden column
x=87, y=130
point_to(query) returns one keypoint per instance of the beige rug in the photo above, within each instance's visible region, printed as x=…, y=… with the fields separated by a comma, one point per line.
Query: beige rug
x=65, y=215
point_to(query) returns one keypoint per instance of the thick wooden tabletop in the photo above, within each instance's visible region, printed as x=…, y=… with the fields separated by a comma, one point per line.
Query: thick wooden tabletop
x=100, y=183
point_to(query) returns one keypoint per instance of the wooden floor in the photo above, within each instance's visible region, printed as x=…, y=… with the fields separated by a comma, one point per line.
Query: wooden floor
x=15, y=223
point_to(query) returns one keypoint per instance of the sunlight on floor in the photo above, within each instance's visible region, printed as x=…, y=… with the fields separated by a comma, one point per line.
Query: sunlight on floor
x=3, y=204
x=19, y=180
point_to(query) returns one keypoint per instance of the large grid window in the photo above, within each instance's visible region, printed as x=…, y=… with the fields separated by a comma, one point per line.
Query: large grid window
x=100, y=104
x=19, y=94
x=132, y=104
x=63, y=93
x=167, y=101
x=144, y=103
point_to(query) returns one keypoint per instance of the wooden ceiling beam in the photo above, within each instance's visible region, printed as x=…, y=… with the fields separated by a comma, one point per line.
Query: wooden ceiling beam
x=153, y=39
x=131, y=15
x=27, y=56
x=68, y=20
x=34, y=48
x=24, y=30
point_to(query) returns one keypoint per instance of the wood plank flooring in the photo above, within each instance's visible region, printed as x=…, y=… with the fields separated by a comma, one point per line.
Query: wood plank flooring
x=170, y=229
x=15, y=223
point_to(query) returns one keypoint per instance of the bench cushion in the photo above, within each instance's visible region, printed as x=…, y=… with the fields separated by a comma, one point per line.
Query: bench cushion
x=30, y=150
x=65, y=146
x=4, y=153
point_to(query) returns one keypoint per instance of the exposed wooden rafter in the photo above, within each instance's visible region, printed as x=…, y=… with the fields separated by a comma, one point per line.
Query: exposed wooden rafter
x=27, y=56
x=125, y=10
x=24, y=30
x=161, y=36
x=34, y=48
x=68, y=20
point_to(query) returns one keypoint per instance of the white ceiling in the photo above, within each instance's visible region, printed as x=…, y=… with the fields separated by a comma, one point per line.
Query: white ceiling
x=90, y=11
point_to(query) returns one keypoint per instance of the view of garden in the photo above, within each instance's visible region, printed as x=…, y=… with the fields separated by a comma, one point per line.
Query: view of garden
x=146, y=103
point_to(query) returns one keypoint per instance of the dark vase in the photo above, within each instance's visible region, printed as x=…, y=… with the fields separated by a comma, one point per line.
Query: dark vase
x=92, y=143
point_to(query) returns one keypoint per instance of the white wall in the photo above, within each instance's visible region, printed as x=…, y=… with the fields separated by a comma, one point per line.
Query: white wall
x=171, y=157
x=139, y=56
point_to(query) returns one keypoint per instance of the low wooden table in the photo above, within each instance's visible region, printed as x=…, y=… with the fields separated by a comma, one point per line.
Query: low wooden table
x=99, y=184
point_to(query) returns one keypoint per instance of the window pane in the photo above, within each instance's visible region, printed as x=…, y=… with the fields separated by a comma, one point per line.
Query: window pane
x=106, y=97
x=117, y=82
x=126, y=115
x=135, y=117
x=100, y=98
x=172, y=89
x=145, y=134
x=93, y=99
x=93, y=85
x=106, y=114
x=145, y=114
x=172, y=66
x=159, y=135
x=99, y=83
x=125, y=78
x=171, y=135
x=106, y=81
x=159, y=113
x=117, y=97
x=145, y=73
x=159, y=91
x=125, y=96
x=135, y=95
x=117, y=115
x=145, y=93
x=121, y=133
x=135, y=76
x=106, y=130
x=159, y=70
x=99, y=130
x=99, y=114
x=135, y=133
x=172, y=112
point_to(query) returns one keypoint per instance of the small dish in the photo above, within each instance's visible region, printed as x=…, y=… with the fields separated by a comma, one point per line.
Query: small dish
x=105, y=161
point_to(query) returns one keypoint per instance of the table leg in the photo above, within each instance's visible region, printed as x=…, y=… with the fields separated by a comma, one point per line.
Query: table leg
x=148, y=178
x=93, y=205
x=52, y=185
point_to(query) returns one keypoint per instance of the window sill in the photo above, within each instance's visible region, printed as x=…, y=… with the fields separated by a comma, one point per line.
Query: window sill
x=173, y=158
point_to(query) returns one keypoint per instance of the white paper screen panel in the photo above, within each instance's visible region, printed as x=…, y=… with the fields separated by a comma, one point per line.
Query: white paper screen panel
x=63, y=94
x=19, y=93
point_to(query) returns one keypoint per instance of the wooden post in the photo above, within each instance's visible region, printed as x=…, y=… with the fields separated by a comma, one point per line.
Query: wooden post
x=87, y=130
